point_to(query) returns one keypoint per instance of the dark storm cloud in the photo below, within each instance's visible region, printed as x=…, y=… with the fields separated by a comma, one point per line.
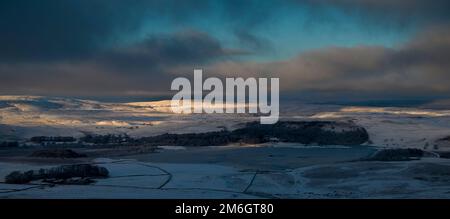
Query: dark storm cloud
x=146, y=66
x=57, y=29
x=54, y=29
x=416, y=68
x=57, y=47
x=75, y=47
x=161, y=51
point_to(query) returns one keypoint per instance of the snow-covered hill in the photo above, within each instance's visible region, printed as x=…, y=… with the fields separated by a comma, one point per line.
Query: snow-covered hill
x=26, y=116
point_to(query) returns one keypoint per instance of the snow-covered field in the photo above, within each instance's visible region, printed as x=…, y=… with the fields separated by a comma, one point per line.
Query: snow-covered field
x=258, y=171
x=129, y=178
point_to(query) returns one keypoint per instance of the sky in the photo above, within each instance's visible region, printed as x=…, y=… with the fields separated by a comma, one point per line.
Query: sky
x=329, y=49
